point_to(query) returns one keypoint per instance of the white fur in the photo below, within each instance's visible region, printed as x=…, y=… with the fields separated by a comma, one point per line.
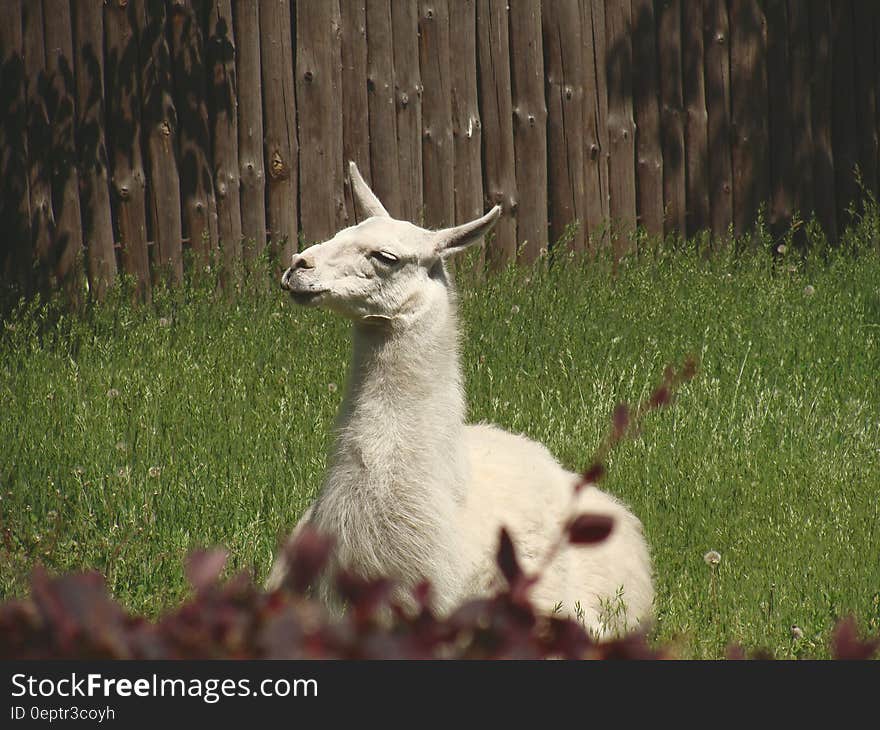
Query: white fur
x=412, y=492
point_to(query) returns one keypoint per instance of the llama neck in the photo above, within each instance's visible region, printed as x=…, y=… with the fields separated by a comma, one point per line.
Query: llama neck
x=401, y=419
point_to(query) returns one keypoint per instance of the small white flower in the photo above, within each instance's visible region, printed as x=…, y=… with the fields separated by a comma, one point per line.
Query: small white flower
x=332, y=387
x=809, y=290
x=713, y=557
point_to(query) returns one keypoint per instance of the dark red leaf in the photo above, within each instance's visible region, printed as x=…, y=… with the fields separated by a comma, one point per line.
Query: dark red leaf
x=593, y=473
x=507, y=562
x=846, y=644
x=620, y=420
x=203, y=567
x=588, y=529
x=307, y=555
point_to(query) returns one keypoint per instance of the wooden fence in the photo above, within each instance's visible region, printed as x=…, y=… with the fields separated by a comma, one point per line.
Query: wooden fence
x=132, y=129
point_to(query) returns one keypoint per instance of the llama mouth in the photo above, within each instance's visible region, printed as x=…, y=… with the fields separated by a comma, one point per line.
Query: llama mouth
x=306, y=296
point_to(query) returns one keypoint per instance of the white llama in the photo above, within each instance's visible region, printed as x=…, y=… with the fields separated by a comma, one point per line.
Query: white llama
x=412, y=492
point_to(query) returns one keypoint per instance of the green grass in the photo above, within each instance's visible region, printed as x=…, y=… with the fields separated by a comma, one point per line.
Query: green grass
x=132, y=436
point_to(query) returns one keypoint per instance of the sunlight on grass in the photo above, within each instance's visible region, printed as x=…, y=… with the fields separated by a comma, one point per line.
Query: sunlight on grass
x=131, y=437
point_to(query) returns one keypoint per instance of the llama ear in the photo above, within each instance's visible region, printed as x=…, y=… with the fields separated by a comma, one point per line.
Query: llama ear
x=363, y=196
x=452, y=240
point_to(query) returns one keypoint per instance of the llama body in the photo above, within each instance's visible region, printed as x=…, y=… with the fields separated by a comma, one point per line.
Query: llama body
x=414, y=493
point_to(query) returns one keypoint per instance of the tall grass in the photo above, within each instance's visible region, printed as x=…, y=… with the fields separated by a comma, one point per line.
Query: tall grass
x=131, y=436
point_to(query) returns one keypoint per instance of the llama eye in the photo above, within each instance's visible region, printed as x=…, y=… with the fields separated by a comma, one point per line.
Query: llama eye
x=389, y=259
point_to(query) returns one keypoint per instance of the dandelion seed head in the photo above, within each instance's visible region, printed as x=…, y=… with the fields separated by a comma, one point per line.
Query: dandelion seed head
x=781, y=248
x=809, y=290
x=332, y=387
x=713, y=557
x=164, y=322
x=154, y=472
x=112, y=393
x=797, y=632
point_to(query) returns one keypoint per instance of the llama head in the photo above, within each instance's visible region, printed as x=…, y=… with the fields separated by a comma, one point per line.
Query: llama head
x=382, y=269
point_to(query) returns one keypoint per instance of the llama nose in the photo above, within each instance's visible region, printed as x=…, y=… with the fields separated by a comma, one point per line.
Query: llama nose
x=300, y=261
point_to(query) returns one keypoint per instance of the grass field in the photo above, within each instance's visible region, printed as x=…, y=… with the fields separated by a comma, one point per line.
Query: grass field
x=131, y=436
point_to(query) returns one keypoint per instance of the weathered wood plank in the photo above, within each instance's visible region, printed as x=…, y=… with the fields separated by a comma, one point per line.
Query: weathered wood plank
x=565, y=122
x=385, y=176
x=196, y=166
x=438, y=163
x=843, y=111
x=696, y=125
x=408, y=107
x=251, y=169
x=865, y=14
x=279, y=107
x=672, y=116
x=751, y=168
x=466, y=125
x=159, y=120
x=527, y=76
x=780, y=119
x=646, y=94
x=223, y=102
x=800, y=96
x=67, y=242
x=39, y=144
x=16, y=257
x=355, y=105
x=596, y=145
x=499, y=172
x=318, y=87
x=822, y=93
x=128, y=183
x=621, y=125
x=717, y=49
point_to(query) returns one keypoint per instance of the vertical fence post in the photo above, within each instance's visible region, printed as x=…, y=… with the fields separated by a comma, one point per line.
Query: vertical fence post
x=39, y=144
x=318, y=89
x=843, y=112
x=408, y=107
x=530, y=132
x=596, y=146
x=499, y=171
x=438, y=163
x=696, y=132
x=279, y=105
x=16, y=258
x=355, y=106
x=223, y=97
x=60, y=105
x=251, y=169
x=466, y=124
x=780, y=117
x=88, y=19
x=160, y=134
x=822, y=96
x=717, y=49
x=621, y=125
x=565, y=121
x=867, y=76
x=646, y=94
x=751, y=172
x=801, y=110
x=380, y=97
x=672, y=112
x=124, y=132
x=196, y=175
